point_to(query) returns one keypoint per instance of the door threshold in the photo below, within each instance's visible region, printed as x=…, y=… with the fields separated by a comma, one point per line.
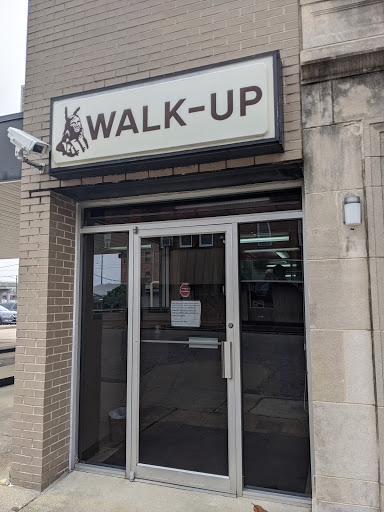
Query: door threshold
x=305, y=503
x=277, y=497
x=185, y=488
x=100, y=470
x=120, y=473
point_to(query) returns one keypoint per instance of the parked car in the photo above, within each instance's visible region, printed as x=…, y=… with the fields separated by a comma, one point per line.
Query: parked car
x=10, y=305
x=7, y=316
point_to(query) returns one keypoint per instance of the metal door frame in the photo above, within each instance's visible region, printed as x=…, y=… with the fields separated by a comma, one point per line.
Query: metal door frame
x=210, y=224
x=226, y=484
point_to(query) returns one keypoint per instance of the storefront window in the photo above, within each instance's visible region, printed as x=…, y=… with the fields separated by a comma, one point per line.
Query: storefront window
x=275, y=411
x=103, y=375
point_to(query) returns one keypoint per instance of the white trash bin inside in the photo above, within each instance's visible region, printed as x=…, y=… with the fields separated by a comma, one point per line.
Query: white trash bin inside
x=117, y=424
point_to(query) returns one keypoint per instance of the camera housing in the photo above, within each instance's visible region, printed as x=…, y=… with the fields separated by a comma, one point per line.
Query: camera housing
x=25, y=144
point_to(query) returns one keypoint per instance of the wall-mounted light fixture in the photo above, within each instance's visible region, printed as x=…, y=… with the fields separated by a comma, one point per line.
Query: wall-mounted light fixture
x=352, y=211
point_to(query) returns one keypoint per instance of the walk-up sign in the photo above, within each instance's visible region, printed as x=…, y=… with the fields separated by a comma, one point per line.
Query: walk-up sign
x=201, y=115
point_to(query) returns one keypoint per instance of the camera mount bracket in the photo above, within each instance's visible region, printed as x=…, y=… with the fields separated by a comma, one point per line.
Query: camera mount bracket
x=41, y=167
x=21, y=156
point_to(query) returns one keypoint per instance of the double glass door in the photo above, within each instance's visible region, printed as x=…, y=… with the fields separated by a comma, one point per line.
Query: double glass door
x=192, y=367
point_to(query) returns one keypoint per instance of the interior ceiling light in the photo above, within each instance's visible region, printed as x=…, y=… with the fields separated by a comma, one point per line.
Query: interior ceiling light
x=264, y=239
x=284, y=255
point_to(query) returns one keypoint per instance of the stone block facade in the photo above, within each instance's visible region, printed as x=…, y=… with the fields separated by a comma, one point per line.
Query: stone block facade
x=341, y=133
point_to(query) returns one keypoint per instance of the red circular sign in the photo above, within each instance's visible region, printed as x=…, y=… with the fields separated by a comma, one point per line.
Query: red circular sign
x=185, y=290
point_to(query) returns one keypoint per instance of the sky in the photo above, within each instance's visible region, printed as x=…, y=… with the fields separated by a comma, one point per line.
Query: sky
x=9, y=270
x=13, y=34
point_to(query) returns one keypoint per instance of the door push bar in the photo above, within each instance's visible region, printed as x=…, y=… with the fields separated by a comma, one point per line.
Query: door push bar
x=194, y=342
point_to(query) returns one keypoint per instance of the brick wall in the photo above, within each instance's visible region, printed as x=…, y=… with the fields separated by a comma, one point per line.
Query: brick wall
x=75, y=46
x=44, y=341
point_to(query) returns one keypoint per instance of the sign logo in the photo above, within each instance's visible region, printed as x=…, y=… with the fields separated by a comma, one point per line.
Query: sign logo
x=73, y=139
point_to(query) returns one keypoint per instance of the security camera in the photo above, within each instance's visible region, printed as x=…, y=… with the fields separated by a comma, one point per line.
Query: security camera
x=25, y=144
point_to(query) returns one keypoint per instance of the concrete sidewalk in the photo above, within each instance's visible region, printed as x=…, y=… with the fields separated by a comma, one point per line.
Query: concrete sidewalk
x=7, y=370
x=6, y=405
x=9, y=496
x=88, y=492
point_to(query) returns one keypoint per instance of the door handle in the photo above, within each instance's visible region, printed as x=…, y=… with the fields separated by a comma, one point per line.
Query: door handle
x=226, y=359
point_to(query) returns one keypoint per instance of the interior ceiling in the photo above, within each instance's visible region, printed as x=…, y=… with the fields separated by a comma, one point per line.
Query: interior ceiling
x=9, y=219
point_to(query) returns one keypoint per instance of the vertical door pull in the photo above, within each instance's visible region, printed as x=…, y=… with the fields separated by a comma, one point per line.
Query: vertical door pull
x=226, y=359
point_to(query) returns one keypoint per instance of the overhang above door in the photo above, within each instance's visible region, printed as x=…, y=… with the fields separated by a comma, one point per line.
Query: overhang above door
x=195, y=181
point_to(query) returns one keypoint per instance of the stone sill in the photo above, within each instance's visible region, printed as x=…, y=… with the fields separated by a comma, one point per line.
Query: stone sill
x=344, y=49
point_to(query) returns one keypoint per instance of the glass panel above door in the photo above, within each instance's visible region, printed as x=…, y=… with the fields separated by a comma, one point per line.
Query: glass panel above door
x=183, y=414
x=275, y=411
x=266, y=201
x=103, y=359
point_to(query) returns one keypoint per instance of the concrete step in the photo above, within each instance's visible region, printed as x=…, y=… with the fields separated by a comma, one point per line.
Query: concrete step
x=7, y=375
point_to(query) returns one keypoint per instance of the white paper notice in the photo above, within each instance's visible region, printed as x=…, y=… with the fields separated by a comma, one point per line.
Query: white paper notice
x=185, y=313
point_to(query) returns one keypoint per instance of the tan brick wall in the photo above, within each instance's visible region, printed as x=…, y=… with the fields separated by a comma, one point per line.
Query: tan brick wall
x=44, y=341
x=76, y=46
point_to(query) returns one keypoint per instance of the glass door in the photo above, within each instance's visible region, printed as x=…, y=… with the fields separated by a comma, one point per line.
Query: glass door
x=182, y=386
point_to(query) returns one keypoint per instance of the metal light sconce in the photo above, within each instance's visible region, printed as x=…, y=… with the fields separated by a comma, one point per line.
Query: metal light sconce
x=352, y=210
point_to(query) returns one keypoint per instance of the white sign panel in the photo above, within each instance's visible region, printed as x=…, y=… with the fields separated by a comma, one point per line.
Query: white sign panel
x=185, y=313
x=209, y=108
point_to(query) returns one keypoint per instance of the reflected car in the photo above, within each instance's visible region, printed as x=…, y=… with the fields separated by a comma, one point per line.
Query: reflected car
x=10, y=305
x=7, y=316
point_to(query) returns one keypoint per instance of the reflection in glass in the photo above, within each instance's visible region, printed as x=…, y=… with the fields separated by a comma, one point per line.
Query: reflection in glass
x=275, y=418
x=103, y=362
x=183, y=417
x=271, y=201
